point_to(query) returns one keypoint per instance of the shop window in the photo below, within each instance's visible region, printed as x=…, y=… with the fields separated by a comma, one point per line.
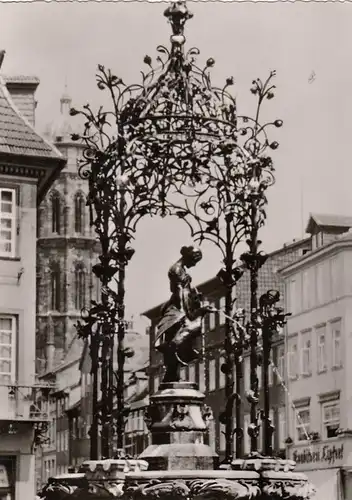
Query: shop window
x=8, y=477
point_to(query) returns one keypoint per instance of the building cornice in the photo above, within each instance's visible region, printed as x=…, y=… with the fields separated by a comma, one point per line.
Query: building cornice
x=316, y=255
x=78, y=243
x=43, y=170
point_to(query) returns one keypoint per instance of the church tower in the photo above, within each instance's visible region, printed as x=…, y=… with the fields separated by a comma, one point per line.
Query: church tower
x=66, y=251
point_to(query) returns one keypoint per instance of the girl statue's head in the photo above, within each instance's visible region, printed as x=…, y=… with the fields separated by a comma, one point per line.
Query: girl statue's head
x=191, y=255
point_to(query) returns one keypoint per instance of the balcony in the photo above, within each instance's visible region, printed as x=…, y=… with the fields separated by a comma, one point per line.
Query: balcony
x=25, y=403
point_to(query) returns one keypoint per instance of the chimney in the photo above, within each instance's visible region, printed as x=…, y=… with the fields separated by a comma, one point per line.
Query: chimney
x=22, y=90
x=50, y=345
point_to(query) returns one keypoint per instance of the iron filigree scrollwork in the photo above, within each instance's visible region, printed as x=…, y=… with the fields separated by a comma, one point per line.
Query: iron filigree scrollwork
x=40, y=435
x=174, y=144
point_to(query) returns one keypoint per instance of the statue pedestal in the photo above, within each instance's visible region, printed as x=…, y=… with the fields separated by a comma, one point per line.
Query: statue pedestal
x=177, y=420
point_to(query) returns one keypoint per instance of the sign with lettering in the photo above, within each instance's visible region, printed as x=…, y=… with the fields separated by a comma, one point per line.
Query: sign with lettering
x=319, y=454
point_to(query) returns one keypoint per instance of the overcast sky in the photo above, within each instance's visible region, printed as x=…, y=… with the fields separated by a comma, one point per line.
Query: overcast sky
x=310, y=46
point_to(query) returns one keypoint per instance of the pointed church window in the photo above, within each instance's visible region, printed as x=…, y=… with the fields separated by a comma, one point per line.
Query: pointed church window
x=55, y=222
x=80, y=288
x=55, y=290
x=79, y=213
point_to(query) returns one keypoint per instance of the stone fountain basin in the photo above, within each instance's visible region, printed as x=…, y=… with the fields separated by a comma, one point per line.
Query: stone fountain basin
x=191, y=484
x=216, y=485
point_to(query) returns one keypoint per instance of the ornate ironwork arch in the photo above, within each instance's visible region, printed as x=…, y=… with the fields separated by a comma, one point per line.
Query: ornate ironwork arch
x=173, y=144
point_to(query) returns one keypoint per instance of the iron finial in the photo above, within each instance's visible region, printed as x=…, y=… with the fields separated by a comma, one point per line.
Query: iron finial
x=177, y=14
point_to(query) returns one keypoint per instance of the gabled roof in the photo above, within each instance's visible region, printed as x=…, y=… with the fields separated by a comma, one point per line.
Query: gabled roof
x=23, y=151
x=17, y=136
x=328, y=220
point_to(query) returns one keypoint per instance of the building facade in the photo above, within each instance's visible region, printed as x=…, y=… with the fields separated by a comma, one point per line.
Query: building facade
x=66, y=251
x=28, y=167
x=80, y=414
x=207, y=372
x=137, y=436
x=318, y=346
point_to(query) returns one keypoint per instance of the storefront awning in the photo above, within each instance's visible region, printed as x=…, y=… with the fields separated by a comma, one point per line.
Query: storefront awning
x=327, y=483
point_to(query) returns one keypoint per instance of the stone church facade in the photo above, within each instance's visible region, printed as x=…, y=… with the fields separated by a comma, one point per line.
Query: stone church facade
x=66, y=251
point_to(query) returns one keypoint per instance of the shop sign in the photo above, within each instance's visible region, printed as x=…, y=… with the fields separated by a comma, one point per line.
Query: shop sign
x=319, y=454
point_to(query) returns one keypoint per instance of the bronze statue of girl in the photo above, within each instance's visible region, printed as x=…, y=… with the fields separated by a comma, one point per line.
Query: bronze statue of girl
x=181, y=317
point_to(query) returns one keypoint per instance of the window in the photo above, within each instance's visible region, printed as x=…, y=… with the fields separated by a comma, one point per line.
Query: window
x=212, y=374
x=292, y=296
x=80, y=288
x=191, y=372
x=307, y=291
x=331, y=419
x=306, y=354
x=79, y=213
x=55, y=289
x=7, y=349
x=302, y=424
x=7, y=222
x=55, y=213
x=282, y=427
x=321, y=338
x=335, y=277
x=281, y=364
x=336, y=346
x=222, y=310
x=320, y=283
x=292, y=360
x=222, y=377
x=201, y=382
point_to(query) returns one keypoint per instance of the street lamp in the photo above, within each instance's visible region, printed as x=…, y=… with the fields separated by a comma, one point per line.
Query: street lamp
x=174, y=144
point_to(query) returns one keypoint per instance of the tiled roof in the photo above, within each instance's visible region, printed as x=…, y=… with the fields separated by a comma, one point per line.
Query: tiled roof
x=17, y=136
x=329, y=220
